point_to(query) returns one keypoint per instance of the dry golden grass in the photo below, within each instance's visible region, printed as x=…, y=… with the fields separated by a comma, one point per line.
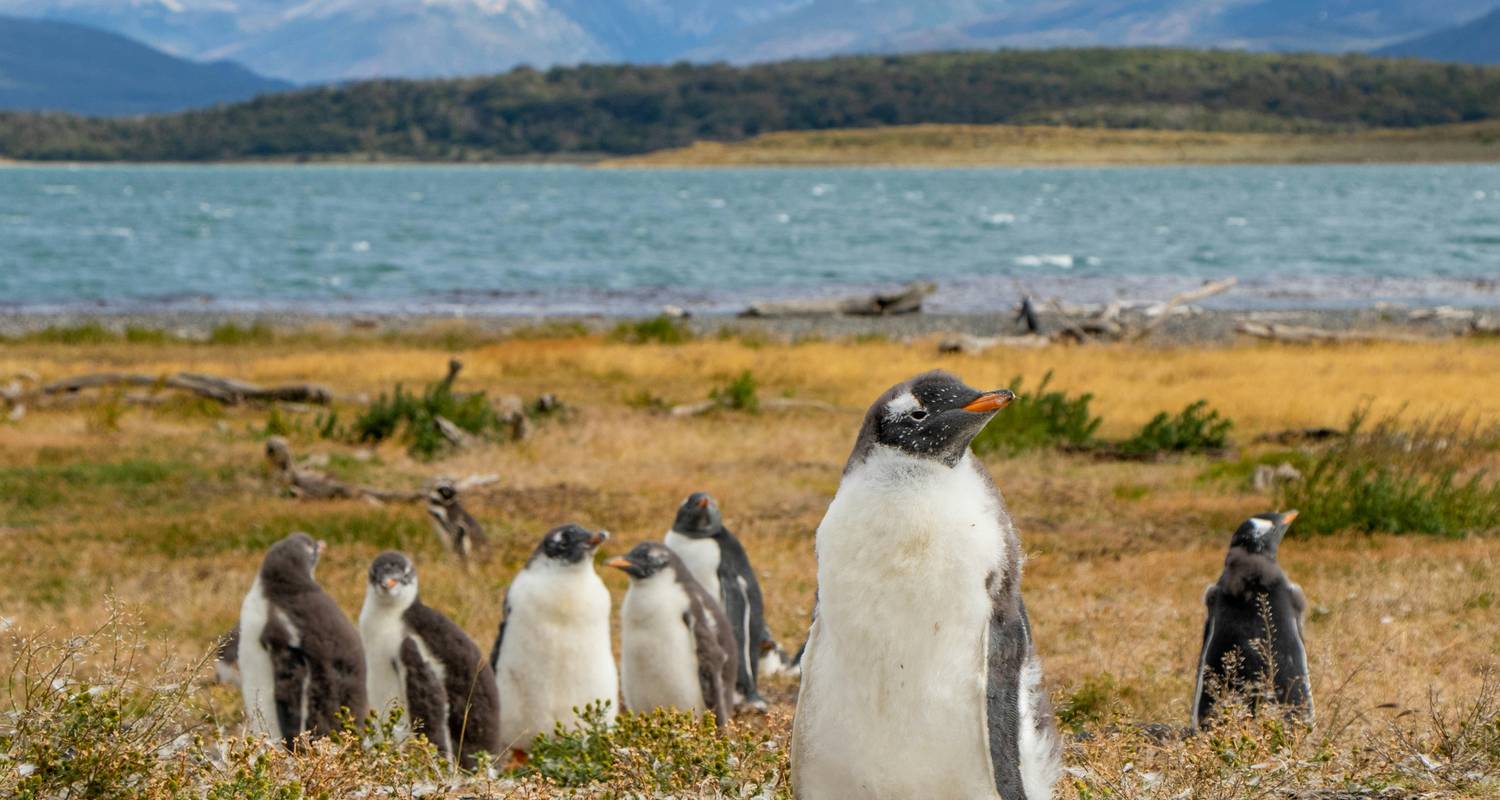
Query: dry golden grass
x=1118, y=554
x=975, y=145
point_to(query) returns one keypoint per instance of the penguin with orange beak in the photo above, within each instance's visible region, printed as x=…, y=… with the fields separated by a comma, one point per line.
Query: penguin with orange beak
x=920, y=678
x=418, y=660
x=1253, y=629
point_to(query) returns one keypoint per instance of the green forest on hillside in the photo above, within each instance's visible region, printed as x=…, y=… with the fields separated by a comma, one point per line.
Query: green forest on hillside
x=580, y=111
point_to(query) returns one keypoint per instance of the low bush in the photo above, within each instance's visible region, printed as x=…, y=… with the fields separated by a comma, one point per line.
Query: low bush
x=232, y=333
x=416, y=416
x=1195, y=429
x=740, y=394
x=1386, y=477
x=1039, y=419
x=661, y=330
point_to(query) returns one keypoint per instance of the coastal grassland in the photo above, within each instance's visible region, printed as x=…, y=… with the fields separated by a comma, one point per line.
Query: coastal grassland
x=168, y=509
x=1046, y=145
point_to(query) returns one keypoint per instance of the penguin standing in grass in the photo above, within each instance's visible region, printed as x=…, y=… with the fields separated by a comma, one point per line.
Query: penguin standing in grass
x=1251, y=594
x=719, y=562
x=552, y=653
x=418, y=660
x=676, y=649
x=455, y=526
x=919, y=678
x=227, y=657
x=300, y=659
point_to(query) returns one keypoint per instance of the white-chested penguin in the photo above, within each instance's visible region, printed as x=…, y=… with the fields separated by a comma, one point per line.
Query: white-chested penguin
x=719, y=562
x=301, y=662
x=455, y=526
x=676, y=648
x=552, y=653
x=1252, y=591
x=417, y=659
x=920, y=678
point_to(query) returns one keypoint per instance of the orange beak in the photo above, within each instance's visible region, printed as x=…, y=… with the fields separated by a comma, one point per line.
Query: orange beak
x=991, y=401
x=598, y=538
x=703, y=502
x=322, y=545
x=390, y=583
x=1287, y=517
x=618, y=562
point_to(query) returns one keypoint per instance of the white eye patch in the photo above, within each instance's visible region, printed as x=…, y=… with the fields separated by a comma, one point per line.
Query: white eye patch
x=901, y=405
x=1261, y=526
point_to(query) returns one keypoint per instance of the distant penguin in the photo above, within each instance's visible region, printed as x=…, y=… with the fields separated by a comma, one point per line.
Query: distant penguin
x=919, y=678
x=719, y=562
x=676, y=648
x=417, y=659
x=227, y=657
x=300, y=658
x=455, y=526
x=1252, y=591
x=552, y=653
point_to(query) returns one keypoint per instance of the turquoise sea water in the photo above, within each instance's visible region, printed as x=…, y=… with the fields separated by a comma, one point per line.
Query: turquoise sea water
x=524, y=239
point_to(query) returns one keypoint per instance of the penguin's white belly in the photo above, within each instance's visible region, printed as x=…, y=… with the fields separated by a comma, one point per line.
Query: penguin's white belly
x=893, y=682
x=385, y=675
x=702, y=559
x=556, y=654
x=658, y=656
x=257, y=674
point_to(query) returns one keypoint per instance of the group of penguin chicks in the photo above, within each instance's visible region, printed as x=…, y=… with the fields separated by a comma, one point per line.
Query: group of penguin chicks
x=301, y=664
x=919, y=677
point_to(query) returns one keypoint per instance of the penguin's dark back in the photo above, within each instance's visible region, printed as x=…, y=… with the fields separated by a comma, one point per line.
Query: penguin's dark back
x=1246, y=603
x=334, y=649
x=469, y=681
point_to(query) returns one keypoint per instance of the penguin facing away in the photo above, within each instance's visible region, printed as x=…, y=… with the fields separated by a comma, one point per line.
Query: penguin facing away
x=719, y=562
x=676, y=648
x=417, y=659
x=919, y=678
x=455, y=526
x=300, y=659
x=1252, y=591
x=552, y=652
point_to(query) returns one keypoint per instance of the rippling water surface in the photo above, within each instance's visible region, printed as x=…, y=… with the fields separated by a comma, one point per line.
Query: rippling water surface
x=571, y=239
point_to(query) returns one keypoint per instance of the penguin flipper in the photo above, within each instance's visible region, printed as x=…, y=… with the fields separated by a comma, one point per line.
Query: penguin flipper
x=711, y=669
x=1202, y=702
x=291, y=674
x=1008, y=646
x=500, y=634
x=426, y=698
x=737, y=610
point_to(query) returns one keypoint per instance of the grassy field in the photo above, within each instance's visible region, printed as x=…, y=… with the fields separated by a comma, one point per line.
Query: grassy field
x=1021, y=145
x=167, y=509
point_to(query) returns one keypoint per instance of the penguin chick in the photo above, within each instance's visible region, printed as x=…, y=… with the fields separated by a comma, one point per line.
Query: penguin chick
x=676, y=648
x=719, y=562
x=418, y=660
x=552, y=653
x=455, y=526
x=920, y=678
x=301, y=663
x=227, y=657
x=1252, y=593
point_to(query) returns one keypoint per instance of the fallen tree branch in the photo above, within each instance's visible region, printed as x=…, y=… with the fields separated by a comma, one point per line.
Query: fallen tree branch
x=224, y=390
x=907, y=300
x=1159, y=314
x=974, y=345
x=1300, y=334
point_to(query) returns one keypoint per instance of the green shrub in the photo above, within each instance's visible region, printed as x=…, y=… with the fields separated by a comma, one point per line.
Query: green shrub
x=664, y=751
x=1195, y=429
x=231, y=333
x=661, y=329
x=1386, y=478
x=86, y=333
x=1090, y=703
x=416, y=418
x=1039, y=419
x=137, y=334
x=739, y=394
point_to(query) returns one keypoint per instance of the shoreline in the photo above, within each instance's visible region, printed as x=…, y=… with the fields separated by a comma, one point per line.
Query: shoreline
x=1199, y=327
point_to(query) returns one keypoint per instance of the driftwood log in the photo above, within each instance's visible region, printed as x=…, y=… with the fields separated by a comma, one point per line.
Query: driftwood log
x=224, y=390
x=1301, y=334
x=907, y=300
x=974, y=345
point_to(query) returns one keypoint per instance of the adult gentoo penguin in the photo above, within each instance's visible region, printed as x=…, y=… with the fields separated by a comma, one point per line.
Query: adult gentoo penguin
x=300, y=659
x=1252, y=592
x=919, y=678
x=455, y=526
x=552, y=653
x=719, y=562
x=417, y=659
x=676, y=649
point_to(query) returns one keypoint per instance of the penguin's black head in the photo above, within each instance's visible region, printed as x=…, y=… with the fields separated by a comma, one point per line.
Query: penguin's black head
x=934, y=415
x=570, y=544
x=293, y=559
x=444, y=493
x=643, y=560
x=391, y=571
x=698, y=516
x=1262, y=533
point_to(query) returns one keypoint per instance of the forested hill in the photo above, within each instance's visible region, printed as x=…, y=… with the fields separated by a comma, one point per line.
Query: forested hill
x=633, y=109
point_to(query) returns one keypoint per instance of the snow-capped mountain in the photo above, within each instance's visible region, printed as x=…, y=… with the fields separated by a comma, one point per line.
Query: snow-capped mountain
x=332, y=40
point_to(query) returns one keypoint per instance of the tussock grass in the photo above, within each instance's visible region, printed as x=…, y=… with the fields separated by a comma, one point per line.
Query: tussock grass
x=1039, y=418
x=1118, y=553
